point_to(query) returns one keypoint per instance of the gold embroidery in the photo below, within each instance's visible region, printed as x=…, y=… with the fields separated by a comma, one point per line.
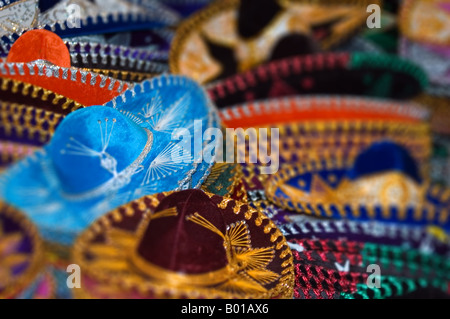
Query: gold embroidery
x=202, y=221
x=246, y=275
x=36, y=90
x=169, y=212
x=223, y=204
x=123, y=75
x=190, y=56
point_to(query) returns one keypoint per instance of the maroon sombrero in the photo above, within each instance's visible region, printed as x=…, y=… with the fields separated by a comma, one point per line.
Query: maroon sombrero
x=187, y=244
x=360, y=74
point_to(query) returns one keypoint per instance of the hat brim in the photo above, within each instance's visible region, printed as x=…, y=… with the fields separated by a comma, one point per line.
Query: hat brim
x=192, y=26
x=358, y=74
x=33, y=184
x=433, y=209
x=120, y=231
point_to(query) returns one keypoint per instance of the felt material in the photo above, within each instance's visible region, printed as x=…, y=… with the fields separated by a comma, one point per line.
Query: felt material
x=78, y=135
x=175, y=244
x=255, y=15
x=204, y=245
x=46, y=46
x=94, y=164
x=395, y=158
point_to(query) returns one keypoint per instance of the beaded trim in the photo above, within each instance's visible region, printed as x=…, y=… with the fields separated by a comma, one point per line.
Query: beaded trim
x=312, y=63
x=42, y=72
x=434, y=209
x=296, y=105
x=57, y=103
x=139, y=212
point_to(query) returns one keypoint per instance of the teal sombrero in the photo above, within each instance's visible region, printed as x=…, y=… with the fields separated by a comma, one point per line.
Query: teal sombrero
x=104, y=156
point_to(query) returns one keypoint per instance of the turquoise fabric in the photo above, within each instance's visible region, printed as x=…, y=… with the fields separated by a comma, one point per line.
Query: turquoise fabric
x=104, y=156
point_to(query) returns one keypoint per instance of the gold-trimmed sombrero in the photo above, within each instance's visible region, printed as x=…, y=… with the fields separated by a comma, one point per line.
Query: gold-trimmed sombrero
x=217, y=42
x=186, y=244
x=382, y=183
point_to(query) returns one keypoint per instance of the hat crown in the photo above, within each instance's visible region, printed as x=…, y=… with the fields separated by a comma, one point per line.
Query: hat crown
x=384, y=156
x=184, y=235
x=94, y=146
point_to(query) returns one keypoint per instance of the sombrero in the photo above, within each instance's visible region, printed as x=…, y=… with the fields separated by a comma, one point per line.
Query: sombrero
x=233, y=36
x=21, y=253
x=104, y=156
x=121, y=62
x=314, y=126
x=71, y=18
x=50, y=69
x=383, y=183
x=186, y=244
x=36, y=87
x=362, y=74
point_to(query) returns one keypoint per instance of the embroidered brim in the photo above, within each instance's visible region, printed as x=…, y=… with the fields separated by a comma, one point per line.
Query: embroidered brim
x=21, y=252
x=359, y=74
x=313, y=127
x=319, y=188
x=90, y=18
x=339, y=269
x=217, y=42
x=265, y=269
x=306, y=108
x=424, y=239
x=84, y=87
x=63, y=203
x=225, y=180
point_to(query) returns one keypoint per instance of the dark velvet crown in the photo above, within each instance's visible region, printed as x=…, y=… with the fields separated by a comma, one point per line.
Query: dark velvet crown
x=174, y=242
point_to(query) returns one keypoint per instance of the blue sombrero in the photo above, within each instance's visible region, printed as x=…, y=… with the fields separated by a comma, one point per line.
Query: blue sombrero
x=104, y=156
x=383, y=183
